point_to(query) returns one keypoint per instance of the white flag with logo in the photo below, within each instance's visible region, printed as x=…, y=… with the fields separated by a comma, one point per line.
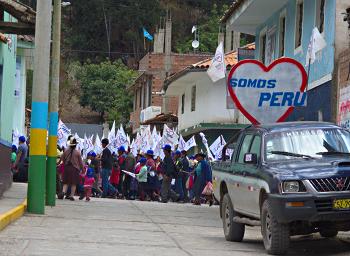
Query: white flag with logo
x=182, y=144
x=316, y=44
x=217, y=69
x=15, y=137
x=62, y=134
x=217, y=147
x=190, y=143
x=169, y=136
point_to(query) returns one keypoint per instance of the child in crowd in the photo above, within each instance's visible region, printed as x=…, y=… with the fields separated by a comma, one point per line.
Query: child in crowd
x=13, y=158
x=142, y=178
x=88, y=183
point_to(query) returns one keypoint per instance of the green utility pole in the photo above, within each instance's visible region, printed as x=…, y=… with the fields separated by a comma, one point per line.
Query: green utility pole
x=53, y=106
x=38, y=129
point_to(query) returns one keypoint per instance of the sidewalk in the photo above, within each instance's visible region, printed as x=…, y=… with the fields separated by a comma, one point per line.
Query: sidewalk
x=12, y=204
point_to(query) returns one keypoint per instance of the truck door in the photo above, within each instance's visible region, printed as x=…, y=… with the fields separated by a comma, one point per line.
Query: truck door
x=248, y=176
x=239, y=193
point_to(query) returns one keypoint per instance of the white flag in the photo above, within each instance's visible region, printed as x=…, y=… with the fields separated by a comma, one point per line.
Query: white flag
x=190, y=143
x=62, y=134
x=316, y=44
x=194, y=28
x=98, y=145
x=15, y=137
x=217, y=69
x=182, y=144
x=217, y=147
x=111, y=134
x=205, y=142
x=169, y=136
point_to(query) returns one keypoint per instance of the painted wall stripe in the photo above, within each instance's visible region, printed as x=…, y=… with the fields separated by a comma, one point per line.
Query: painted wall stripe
x=52, y=148
x=53, y=123
x=39, y=115
x=38, y=142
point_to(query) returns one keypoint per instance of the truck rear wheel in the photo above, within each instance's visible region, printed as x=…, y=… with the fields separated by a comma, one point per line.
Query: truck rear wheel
x=275, y=235
x=233, y=231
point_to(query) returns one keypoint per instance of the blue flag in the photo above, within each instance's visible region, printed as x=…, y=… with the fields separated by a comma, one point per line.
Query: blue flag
x=147, y=35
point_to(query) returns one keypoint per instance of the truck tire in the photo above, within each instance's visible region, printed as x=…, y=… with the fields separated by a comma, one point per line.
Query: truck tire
x=233, y=231
x=275, y=235
x=329, y=232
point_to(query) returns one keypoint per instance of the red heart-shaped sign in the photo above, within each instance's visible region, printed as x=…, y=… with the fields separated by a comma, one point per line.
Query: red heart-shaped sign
x=267, y=94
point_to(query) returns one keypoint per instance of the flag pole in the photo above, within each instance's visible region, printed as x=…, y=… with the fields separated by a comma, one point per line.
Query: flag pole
x=308, y=73
x=144, y=42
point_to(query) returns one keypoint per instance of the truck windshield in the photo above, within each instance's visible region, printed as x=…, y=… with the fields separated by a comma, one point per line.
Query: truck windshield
x=306, y=144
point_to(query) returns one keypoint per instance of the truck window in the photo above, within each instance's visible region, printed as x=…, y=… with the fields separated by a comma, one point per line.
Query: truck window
x=244, y=147
x=256, y=146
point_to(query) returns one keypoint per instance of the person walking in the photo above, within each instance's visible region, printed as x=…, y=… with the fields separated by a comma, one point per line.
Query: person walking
x=106, y=164
x=152, y=177
x=142, y=179
x=21, y=166
x=179, y=175
x=185, y=174
x=169, y=170
x=73, y=165
x=202, y=176
x=123, y=179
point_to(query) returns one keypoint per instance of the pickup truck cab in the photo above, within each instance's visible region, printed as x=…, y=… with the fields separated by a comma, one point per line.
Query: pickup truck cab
x=289, y=178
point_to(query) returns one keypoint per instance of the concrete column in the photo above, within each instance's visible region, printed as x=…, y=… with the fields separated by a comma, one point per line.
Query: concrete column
x=38, y=131
x=53, y=106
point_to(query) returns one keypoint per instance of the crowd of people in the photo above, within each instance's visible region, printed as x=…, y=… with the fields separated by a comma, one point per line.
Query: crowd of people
x=176, y=177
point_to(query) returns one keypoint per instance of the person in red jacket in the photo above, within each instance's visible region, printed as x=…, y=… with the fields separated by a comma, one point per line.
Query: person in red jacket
x=115, y=176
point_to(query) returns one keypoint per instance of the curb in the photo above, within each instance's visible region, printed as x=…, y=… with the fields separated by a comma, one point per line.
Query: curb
x=12, y=215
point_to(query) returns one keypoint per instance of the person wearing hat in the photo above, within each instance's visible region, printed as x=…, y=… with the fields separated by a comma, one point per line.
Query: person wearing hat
x=142, y=178
x=202, y=177
x=179, y=175
x=169, y=170
x=124, y=180
x=20, y=166
x=185, y=173
x=152, y=176
x=73, y=165
x=96, y=191
x=106, y=164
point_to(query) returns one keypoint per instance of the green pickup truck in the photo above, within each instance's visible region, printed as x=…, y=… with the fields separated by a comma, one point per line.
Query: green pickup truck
x=289, y=178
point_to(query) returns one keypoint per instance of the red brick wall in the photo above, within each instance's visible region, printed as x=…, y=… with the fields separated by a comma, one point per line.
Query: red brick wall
x=153, y=64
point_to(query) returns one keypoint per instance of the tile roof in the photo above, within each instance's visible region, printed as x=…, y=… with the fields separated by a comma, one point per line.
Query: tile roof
x=230, y=60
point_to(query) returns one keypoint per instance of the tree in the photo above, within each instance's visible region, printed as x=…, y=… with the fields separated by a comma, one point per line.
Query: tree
x=208, y=33
x=103, y=88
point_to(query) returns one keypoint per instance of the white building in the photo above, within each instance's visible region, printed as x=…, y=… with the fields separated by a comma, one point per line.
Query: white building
x=205, y=106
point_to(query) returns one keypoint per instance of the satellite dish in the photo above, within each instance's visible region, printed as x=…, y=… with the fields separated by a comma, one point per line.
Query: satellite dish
x=195, y=44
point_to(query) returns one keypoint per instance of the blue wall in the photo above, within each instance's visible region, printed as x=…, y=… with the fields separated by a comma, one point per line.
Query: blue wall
x=318, y=99
x=325, y=64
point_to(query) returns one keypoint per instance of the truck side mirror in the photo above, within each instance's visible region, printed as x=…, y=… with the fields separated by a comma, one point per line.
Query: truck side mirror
x=250, y=158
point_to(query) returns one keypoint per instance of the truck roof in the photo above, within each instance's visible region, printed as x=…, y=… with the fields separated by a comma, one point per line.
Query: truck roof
x=287, y=126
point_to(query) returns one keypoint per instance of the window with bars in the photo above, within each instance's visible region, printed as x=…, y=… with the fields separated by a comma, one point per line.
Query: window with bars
x=193, y=99
x=299, y=23
x=282, y=36
x=183, y=104
x=320, y=10
x=263, y=48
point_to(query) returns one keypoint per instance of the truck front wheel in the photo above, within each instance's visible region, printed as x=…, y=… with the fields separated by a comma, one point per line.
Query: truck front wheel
x=275, y=235
x=233, y=231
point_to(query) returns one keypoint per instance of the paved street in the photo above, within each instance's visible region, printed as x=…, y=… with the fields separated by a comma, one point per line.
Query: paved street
x=115, y=227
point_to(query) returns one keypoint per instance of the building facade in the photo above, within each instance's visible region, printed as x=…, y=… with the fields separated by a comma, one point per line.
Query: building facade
x=205, y=106
x=283, y=28
x=154, y=68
